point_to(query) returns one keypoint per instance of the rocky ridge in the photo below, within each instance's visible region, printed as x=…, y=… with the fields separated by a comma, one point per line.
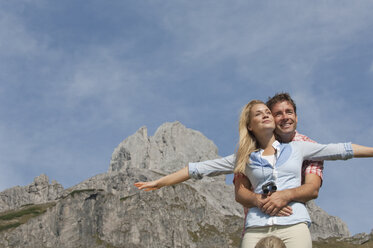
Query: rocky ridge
x=39, y=191
x=108, y=211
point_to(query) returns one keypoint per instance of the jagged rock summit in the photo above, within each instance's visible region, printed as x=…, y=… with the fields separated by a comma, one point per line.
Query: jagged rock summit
x=172, y=147
x=39, y=191
x=108, y=211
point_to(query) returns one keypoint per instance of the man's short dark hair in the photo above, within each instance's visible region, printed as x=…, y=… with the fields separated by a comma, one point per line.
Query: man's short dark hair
x=280, y=97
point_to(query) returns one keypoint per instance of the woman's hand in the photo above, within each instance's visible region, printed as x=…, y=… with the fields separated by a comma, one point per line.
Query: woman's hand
x=171, y=179
x=148, y=186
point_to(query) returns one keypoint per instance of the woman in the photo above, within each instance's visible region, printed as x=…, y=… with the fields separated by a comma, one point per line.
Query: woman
x=270, y=165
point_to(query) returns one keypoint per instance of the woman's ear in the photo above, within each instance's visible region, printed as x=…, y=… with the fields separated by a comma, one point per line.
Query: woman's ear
x=249, y=128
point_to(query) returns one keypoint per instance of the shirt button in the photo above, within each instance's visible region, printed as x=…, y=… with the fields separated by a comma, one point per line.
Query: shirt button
x=275, y=174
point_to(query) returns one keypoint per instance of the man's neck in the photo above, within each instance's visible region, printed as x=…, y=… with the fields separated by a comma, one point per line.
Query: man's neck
x=286, y=138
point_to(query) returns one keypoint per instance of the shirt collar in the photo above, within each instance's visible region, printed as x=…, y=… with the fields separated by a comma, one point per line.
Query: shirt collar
x=276, y=144
x=296, y=134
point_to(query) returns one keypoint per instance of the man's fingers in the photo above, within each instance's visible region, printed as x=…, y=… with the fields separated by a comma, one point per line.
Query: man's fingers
x=266, y=204
x=274, y=212
x=269, y=210
x=288, y=210
x=282, y=213
x=288, y=207
x=264, y=207
x=285, y=211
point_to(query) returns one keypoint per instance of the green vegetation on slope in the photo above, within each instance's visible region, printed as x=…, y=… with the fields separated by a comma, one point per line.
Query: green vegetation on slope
x=15, y=218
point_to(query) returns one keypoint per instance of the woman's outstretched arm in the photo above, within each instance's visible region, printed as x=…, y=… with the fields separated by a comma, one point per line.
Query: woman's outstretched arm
x=336, y=151
x=362, y=151
x=171, y=179
x=198, y=170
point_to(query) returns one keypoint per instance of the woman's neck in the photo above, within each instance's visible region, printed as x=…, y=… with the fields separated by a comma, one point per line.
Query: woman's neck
x=265, y=141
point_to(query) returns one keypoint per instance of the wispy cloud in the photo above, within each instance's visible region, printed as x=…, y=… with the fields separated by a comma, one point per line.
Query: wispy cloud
x=17, y=40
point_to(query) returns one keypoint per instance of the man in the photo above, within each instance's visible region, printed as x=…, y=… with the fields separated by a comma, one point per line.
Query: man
x=283, y=109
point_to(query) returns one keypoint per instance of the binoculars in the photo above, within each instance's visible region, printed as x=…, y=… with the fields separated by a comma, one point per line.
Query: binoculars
x=269, y=187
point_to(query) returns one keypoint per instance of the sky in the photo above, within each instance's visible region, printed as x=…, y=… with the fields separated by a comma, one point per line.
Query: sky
x=77, y=77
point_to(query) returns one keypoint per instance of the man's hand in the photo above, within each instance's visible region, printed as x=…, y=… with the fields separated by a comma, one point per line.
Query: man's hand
x=260, y=200
x=249, y=199
x=276, y=204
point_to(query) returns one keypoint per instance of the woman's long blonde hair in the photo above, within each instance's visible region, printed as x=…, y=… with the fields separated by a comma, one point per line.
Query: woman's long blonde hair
x=247, y=141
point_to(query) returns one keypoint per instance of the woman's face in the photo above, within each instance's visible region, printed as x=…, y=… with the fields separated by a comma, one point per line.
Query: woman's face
x=261, y=119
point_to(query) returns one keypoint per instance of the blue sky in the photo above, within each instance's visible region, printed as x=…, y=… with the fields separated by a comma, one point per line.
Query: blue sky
x=78, y=77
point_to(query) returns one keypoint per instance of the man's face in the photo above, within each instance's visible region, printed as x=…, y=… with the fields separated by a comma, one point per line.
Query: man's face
x=285, y=118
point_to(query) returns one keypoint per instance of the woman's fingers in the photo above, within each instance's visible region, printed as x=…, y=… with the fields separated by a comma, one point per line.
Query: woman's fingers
x=150, y=189
x=140, y=185
x=146, y=186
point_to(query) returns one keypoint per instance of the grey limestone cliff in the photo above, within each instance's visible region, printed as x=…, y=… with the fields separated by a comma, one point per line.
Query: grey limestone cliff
x=108, y=211
x=39, y=191
x=172, y=147
x=324, y=225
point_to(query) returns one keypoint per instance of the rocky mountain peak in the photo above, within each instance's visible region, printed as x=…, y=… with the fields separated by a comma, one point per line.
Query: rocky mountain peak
x=171, y=148
x=39, y=191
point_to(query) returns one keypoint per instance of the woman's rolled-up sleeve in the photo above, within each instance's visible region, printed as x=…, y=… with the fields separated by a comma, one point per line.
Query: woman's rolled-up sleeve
x=314, y=151
x=213, y=167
